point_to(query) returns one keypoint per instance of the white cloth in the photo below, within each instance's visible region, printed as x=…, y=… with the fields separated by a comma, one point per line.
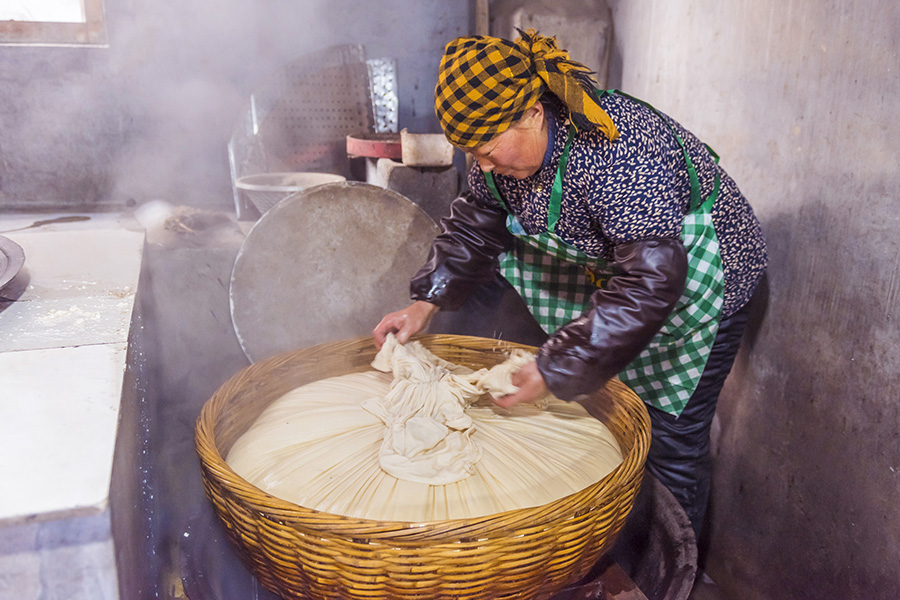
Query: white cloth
x=317, y=447
x=427, y=435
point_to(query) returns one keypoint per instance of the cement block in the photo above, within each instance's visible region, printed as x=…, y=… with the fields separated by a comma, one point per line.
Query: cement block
x=431, y=188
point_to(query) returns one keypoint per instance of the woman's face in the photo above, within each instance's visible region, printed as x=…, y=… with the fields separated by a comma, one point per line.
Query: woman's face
x=519, y=151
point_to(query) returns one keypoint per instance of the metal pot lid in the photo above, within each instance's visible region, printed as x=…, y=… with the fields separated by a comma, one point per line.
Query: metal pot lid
x=326, y=264
x=11, y=260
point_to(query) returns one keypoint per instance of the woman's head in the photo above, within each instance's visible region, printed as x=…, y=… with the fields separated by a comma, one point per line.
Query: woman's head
x=519, y=150
x=486, y=85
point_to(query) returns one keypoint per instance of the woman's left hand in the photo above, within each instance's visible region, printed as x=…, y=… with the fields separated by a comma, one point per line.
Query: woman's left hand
x=531, y=387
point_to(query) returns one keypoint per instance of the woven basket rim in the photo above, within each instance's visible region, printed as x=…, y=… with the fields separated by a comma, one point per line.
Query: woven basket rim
x=277, y=509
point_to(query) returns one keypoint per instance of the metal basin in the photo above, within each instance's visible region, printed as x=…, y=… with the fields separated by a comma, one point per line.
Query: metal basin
x=12, y=257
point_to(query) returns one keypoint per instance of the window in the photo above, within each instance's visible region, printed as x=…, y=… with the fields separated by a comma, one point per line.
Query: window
x=52, y=22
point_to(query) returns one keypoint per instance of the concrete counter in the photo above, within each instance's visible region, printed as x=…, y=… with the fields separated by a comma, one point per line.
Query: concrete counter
x=64, y=331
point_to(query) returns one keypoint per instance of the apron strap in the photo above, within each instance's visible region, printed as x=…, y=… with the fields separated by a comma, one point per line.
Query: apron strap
x=696, y=199
x=556, y=193
x=553, y=208
x=492, y=185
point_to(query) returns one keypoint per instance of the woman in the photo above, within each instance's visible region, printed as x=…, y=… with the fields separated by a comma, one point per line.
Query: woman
x=633, y=249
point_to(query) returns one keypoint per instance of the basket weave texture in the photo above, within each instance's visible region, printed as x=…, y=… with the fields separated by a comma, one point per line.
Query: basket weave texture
x=301, y=553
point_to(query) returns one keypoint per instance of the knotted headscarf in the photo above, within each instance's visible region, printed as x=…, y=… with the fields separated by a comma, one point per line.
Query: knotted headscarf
x=485, y=85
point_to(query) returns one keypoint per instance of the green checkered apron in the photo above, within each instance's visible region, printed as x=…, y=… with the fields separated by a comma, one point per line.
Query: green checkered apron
x=557, y=280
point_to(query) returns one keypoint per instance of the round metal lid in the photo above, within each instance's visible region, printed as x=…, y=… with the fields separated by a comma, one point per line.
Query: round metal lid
x=11, y=260
x=326, y=264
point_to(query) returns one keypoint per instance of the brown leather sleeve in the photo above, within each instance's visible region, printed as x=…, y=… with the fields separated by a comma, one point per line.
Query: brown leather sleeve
x=649, y=278
x=464, y=255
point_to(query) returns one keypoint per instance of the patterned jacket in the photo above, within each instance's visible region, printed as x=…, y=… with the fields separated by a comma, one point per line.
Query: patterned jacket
x=633, y=189
x=623, y=201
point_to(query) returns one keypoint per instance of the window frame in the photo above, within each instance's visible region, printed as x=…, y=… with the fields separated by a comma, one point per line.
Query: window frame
x=36, y=33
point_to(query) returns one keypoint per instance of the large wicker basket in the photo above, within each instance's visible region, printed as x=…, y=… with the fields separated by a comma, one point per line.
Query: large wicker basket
x=301, y=553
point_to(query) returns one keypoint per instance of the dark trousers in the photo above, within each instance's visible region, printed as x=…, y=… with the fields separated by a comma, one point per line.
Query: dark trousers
x=680, y=447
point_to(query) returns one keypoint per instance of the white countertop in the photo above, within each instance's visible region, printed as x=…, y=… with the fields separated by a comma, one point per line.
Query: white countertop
x=63, y=345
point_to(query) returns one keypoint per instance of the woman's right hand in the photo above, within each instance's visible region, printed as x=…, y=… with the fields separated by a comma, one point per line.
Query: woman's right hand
x=405, y=323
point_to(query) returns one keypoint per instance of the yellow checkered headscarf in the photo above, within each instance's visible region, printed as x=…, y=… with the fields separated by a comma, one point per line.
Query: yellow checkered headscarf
x=485, y=85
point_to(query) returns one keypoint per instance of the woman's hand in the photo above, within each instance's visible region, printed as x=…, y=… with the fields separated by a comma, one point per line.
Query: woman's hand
x=404, y=323
x=531, y=387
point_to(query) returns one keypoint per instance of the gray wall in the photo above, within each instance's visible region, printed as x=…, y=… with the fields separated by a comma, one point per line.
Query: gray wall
x=150, y=116
x=800, y=100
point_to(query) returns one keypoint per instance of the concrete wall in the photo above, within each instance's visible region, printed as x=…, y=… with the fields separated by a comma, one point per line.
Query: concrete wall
x=582, y=27
x=149, y=117
x=800, y=99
